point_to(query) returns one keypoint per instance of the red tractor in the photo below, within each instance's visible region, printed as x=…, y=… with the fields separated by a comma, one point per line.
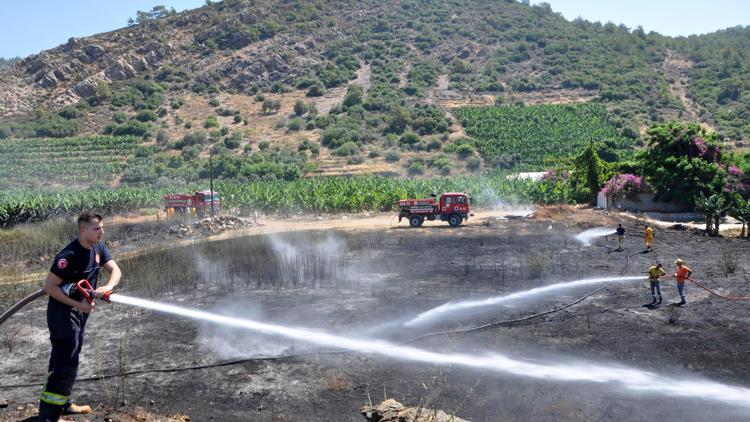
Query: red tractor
x=198, y=203
x=453, y=207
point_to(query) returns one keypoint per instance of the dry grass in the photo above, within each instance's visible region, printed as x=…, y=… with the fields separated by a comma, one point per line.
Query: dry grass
x=301, y=260
x=573, y=214
x=33, y=246
x=534, y=265
x=10, y=339
x=136, y=414
x=555, y=212
x=728, y=263
x=733, y=231
x=335, y=380
x=10, y=295
x=28, y=249
x=553, y=96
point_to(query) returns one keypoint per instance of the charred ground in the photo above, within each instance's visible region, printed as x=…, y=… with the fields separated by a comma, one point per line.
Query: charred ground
x=354, y=282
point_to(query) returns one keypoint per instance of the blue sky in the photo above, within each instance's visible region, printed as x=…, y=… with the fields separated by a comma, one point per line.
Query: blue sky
x=27, y=27
x=667, y=17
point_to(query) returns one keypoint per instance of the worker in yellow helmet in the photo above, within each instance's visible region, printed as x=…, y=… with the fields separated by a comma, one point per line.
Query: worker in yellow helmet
x=654, y=273
x=649, y=238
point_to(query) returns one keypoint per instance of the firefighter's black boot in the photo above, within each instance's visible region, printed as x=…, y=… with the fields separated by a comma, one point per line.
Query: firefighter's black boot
x=49, y=412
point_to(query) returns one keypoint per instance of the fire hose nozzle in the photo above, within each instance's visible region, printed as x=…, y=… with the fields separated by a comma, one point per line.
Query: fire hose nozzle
x=105, y=296
x=84, y=288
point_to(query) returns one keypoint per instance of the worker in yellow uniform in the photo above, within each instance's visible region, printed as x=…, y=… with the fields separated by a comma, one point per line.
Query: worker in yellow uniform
x=649, y=238
x=654, y=273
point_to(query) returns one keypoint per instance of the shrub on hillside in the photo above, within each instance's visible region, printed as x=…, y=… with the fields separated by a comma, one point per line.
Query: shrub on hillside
x=392, y=156
x=211, y=121
x=146, y=115
x=347, y=149
x=192, y=138
x=295, y=124
x=415, y=169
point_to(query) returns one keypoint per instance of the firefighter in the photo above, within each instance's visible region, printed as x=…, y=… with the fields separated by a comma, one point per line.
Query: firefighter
x=649, y=238
x=654, y=273
x=66, y=317
x=682, y=273
x=620, y=237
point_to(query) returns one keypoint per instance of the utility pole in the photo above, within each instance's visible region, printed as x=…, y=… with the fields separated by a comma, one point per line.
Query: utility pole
x=211, y=173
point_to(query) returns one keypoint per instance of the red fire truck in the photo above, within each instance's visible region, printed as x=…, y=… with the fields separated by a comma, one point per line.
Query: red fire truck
x=196, y=203
x=453, y=207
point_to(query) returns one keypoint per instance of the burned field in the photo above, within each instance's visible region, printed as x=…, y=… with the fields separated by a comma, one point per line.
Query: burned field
x=367, y=285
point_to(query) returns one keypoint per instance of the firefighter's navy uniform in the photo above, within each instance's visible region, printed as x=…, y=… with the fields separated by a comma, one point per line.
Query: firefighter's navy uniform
x=66, y=325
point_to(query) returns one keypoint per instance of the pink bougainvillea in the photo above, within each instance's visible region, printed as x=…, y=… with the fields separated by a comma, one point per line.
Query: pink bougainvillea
x=700, y=148
x=624, y=185
x=700, y=145
x=735, y=183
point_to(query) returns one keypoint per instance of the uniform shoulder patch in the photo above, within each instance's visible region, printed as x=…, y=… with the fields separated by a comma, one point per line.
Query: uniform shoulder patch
x=62, y=263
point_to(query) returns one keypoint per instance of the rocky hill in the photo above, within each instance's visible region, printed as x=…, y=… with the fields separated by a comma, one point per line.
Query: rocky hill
x=243, y=64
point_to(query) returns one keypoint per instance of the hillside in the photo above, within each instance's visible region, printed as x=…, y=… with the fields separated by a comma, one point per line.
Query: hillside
x=275, y=73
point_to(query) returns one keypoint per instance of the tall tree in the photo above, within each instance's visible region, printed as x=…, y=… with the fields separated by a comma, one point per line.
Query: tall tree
x=682, y=161
x=589, y=172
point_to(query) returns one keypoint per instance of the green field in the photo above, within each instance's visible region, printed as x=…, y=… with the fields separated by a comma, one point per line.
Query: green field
x=64, y=162
x=539, y=134
x=313, y=195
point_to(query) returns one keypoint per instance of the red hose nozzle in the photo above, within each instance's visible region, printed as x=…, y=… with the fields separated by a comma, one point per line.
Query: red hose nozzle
x=88, y=292
x=105, y=296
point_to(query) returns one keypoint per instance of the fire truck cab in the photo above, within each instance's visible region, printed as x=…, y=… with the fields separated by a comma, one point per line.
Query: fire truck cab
x=453, y=207
x=196, y=203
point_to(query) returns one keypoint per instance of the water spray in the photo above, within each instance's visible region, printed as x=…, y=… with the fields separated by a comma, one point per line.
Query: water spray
x=629, y=378
x=442, y=311
x=588, y=236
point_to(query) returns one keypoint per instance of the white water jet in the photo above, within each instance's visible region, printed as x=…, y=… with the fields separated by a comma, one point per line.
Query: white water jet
x=588, y=236
x=237, y=343
x=630, y=378
x=453, y=307
x=513, y=210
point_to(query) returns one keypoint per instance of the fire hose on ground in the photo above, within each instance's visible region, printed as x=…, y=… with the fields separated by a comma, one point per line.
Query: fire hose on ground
x=713, y=292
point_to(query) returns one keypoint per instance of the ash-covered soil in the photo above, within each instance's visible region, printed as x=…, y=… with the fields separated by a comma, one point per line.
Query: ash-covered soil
x=359, y=283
